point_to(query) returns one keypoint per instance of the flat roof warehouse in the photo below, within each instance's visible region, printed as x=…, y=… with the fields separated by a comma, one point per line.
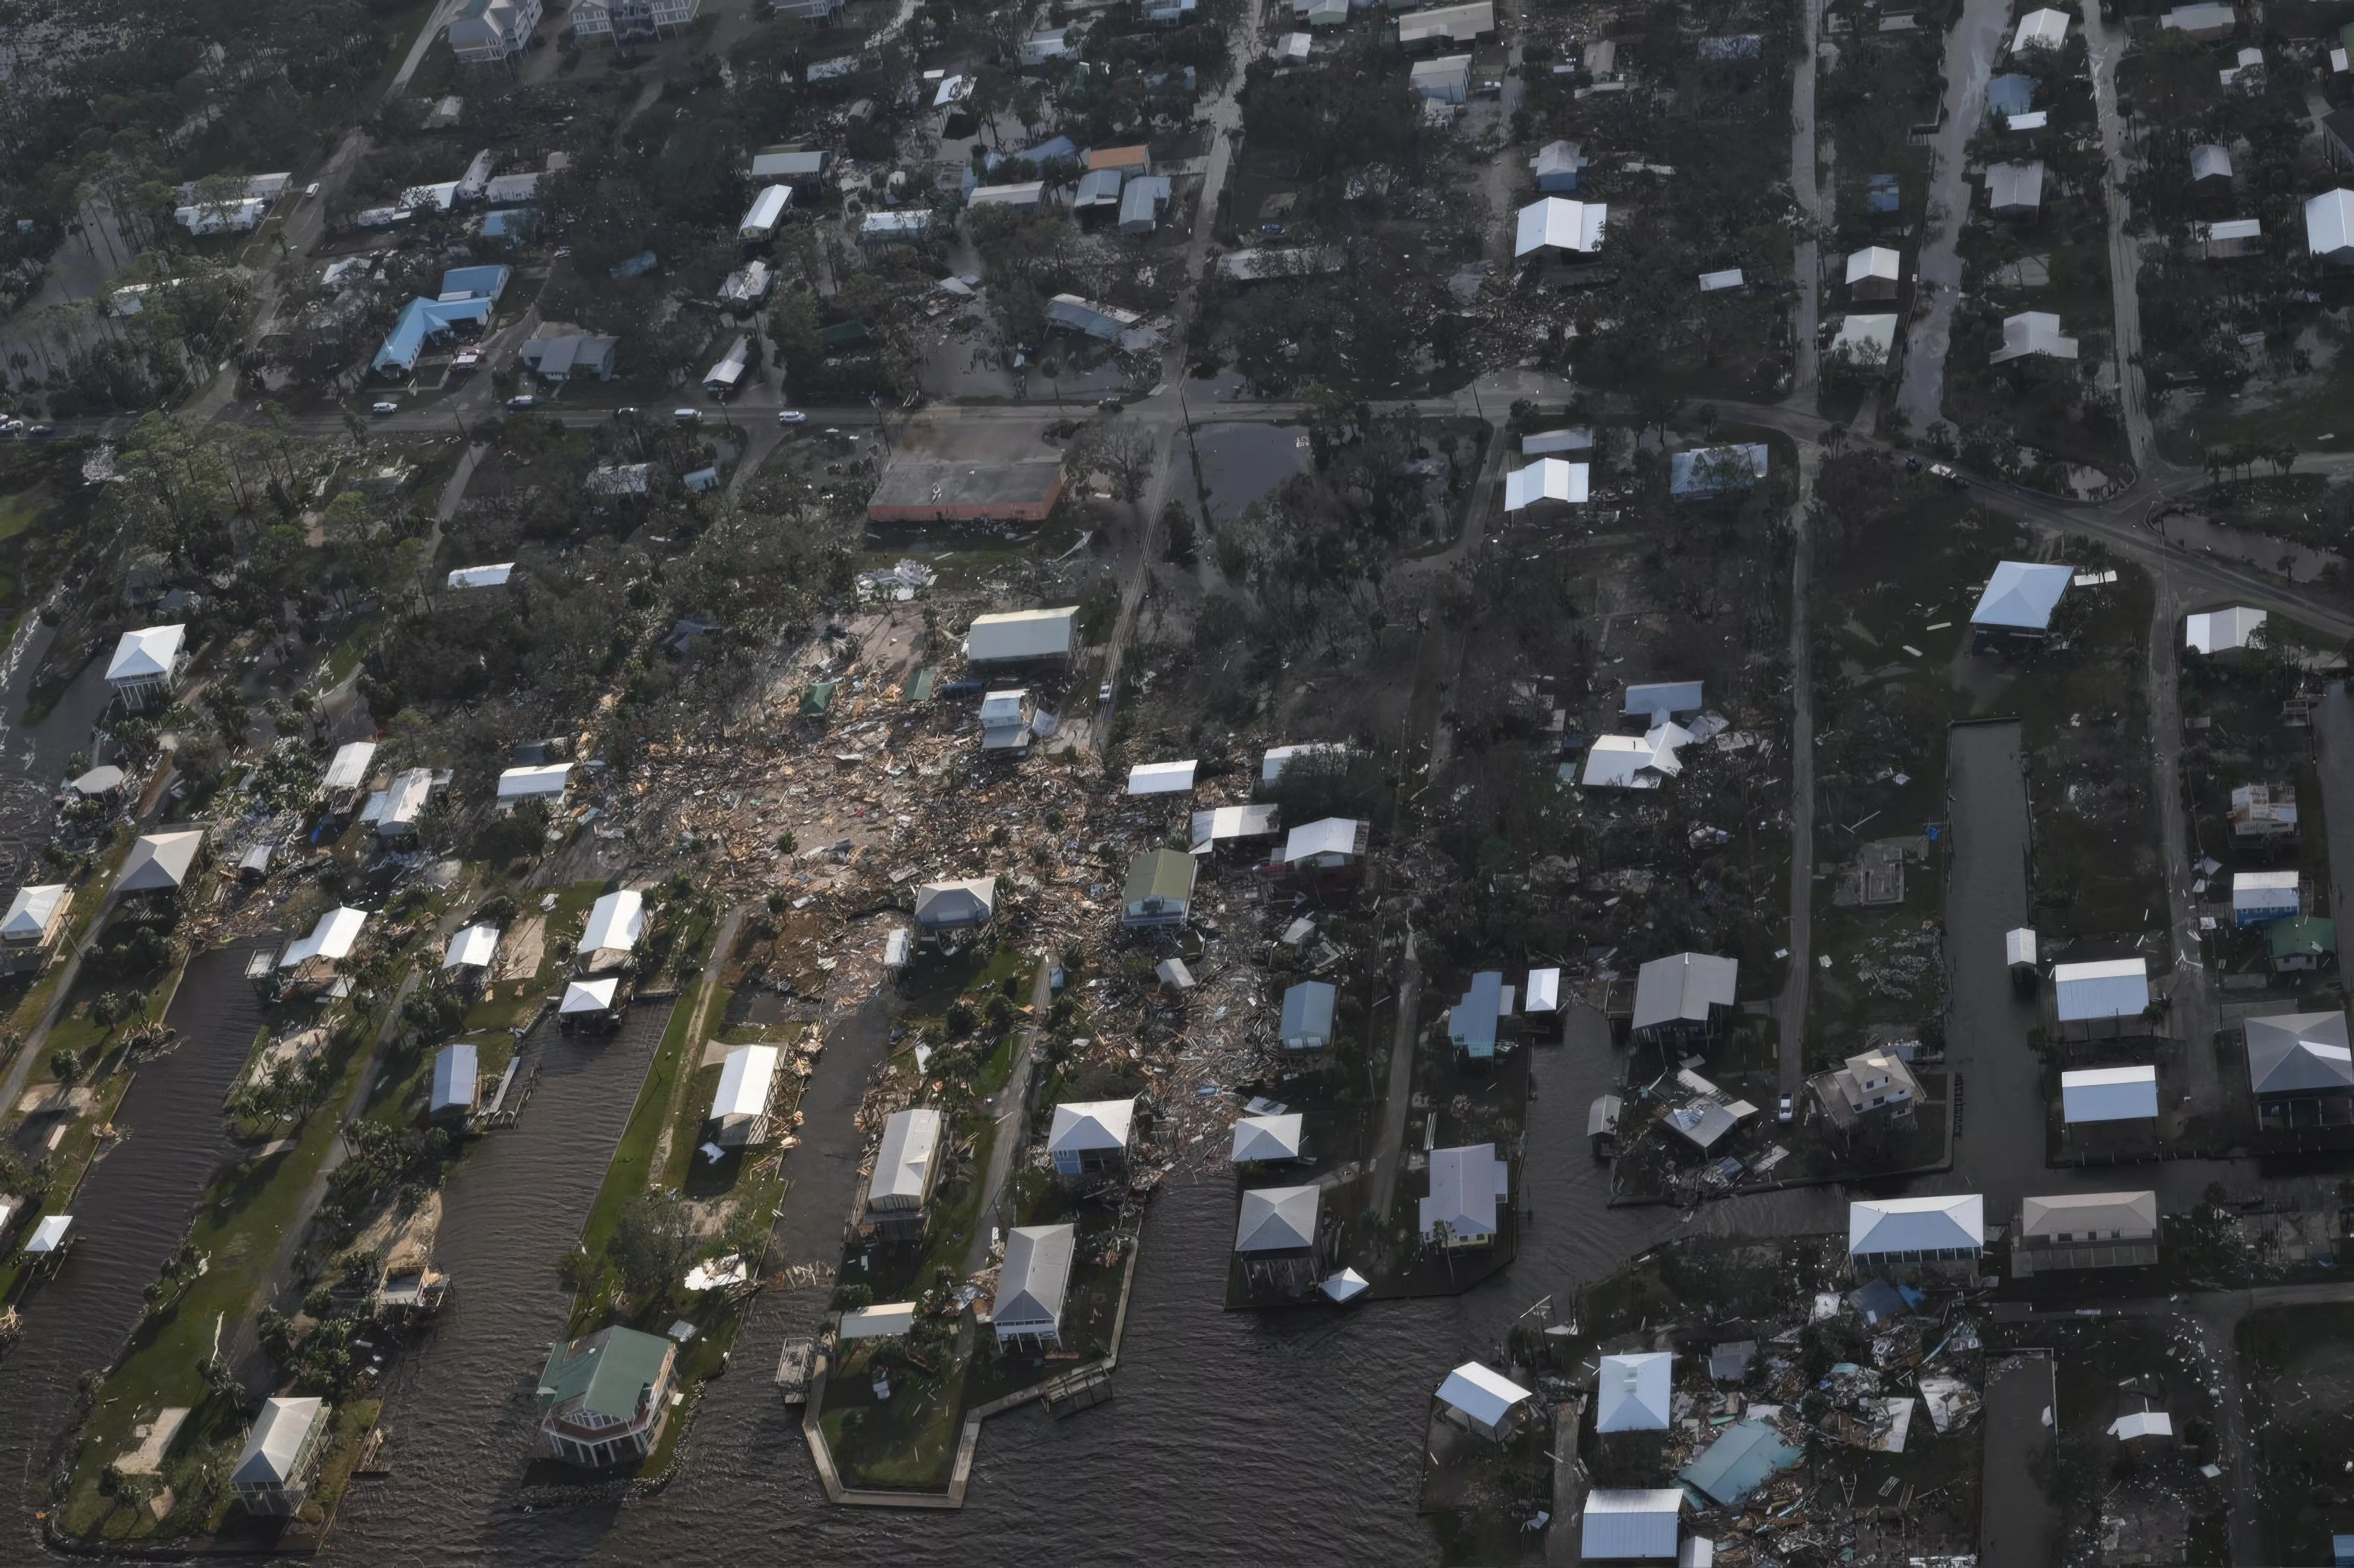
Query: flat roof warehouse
x=917, y=490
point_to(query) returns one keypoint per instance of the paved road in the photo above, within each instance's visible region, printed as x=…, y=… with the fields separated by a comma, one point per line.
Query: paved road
x=1806, y=264
x=1790, y=1009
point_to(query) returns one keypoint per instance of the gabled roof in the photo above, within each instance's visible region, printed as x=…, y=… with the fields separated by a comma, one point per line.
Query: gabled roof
x=903, y=1162
x=1486, y=1397
x=519, y=783
x=1328, y=835
x=2108, y=1094
x=2221, y=631
x=1268, y=1137
x=30, y=912
x=610, y=1372
x=1744, y=1458
x=2076, y=1214
x=2032, y=334
x=589, y=996
x=1547, y=478
x=1162, y=778
x=1035, y=1277
x=2329, y=223
x=1307, y=1010
x=1085, y=1125
x=1278, y=1219
x=1560, y=223
x=1682, y=988
x=159, y=861
x=2109, y=988
x=2019, y=944
x=616, y=921
x=331, y=938
x=2040, y=29
x=273, y=1448
x=482, y=576
x=2015, y=185
x=1634, y=1393
x=471, y=948
x=1621, y=1524
x=2022, y=594
x=456, y=1077
x=349, y=769
x=147, y=654
x=2298, y=1052
x=1164, y=874
x=1465, y=1184
x=745, y=1079
x=1916, y=1224
x=1874, y=261
x=1020, y=634
x=1234, y=822
x=2210, y=163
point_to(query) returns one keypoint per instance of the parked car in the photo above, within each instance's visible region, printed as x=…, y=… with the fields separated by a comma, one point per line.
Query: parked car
x=791, y=417
x=523, y=400
x=40, y=432
x=1788, y=1109
x=687, y=415
x=627, y=411
x=386, y=409
x=1111, y=405
x=11, y=427
x=1951, y=480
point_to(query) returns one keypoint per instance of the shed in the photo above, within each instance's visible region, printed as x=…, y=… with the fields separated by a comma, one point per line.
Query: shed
x=1162, y=778
x=1090, y=1135
x=1547, y=478
x=2108, y=1094
x=1033, y=1283
x=1020, y=635
x=1622, y=1525
x=1307, y=1015
x=1635, y=1393
x=1716, y=282
x=2222, y=630
x=2260, y=895
x=2018, y=947
x=748, y=1077
x=1488, y=1400
x=2021, y=596
x=2106, y=988
x=1560, y=227
x=1267, y=1139
x=1465, y=1185
x=457, y=1081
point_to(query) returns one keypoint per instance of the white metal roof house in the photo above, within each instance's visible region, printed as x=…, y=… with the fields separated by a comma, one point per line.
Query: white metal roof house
x=547, y=782
x=2108, y=988
x=1635, y=1394
x=1622, y=1525
x=1642, y=761
x=2015, y=189
x=1545, y=479
x=2298, y=1054
x=947, y=905
x=1269, y=1139
x=2084, y=1230
x=1543, y=991
x=1465, y=1185
x=457, y=1081
x=1328, y=841
x=2211, y=165
x=1446, y=79
x=273, y=1472
x=147, y=663
x=1885, y=1232
x=1487, y=1400
x=2044, y=29
x=2020, y=597
x=2260, y=895
x=2033, y=334
x=2108, y=1094
x=2329, y=227
x=493, y=575
x=1162, y=778
x=589, y=999
x=404, y=804
x=348, y=769
x=616, y=921
x=1307, y=1015
x=1557, y=227
x=1221, y=825
x=1683, y=995
x=748, y=1077
x=1278, y=757
x=331, y=939
x=767, y=211
x=30, y=927
x=471, y=948
x=2222, y=630
x=1005, y=720
x=1090, y=1135
x=1015, y=636
x=1033, y=1283
x=160, y=862
x=906, y=1166
x=1874, y=272
x=1447, y=23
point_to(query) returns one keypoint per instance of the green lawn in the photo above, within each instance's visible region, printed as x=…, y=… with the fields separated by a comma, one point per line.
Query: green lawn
x=905, y=1442
x=630, y=1170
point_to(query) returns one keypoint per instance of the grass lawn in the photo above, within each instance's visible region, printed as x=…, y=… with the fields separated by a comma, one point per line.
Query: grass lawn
x=630, y=1171
x=904, y=1443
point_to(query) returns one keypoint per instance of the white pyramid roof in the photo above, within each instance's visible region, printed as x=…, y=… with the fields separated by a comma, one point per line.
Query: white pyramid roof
x=2022, y=594
x=159, y=861
x=146, y=654
x=589, y=996
x=1090, y=1125
x=1268, y=1137
x=30, y=912
x=1635, y=1394
x=1916, y=1224
x=1278, y=1219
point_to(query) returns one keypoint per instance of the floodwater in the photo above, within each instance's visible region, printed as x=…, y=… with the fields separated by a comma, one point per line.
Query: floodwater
x=33, y=759
x=132, y=1211
x=2301, y=563
x=1233, y=1436
x=1244, y=462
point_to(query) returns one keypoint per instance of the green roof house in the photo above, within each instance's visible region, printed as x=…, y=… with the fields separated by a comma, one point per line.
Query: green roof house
x=1160, y=889
x=2307, y=942
x=603, y=1397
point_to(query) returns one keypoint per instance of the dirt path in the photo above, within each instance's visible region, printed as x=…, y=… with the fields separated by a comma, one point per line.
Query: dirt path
x=1806, y=266
x=1790, y=1008
x=1010, y=1110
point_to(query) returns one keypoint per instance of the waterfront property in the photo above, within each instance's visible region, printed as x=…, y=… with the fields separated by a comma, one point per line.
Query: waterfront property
x=1635, y=1393
x=1917, y=1238
x=1268, y=1140
x=1278, y=1239
x=1872, y=1085
x=591, y=1004
x=2300, y=1070
x=1465, y=1185
x=147, y=664
x=29, y=930
x=1625, y=1525
x=2084, y=1230
x=739, y=1108
x=2108, y=1094
x=281, y=1450
x=161, y=862
x=1091, y=1136
x=467, y=960
x=1308, y=1017
x=1681, y=1001
x=1484, y=1400
x=457, y=1082
x=1032, y=1284
x=604, y=1397
x=907, y=1168
x=1475, y=1021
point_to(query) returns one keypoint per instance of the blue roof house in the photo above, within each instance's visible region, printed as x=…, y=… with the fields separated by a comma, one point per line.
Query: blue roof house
x=421, y=321
x=475, y=283
x=1471, y=1023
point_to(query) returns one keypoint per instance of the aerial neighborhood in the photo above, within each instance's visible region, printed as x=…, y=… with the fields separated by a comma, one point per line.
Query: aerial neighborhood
x=1314, y=783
